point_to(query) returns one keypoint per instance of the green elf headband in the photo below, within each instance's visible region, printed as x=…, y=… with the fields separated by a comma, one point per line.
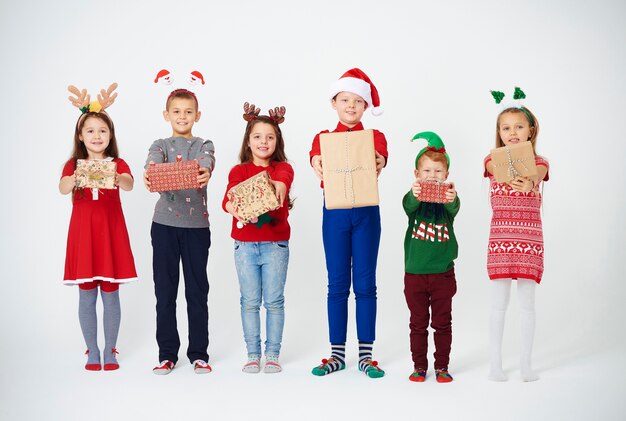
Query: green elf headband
x=435, y=144
x=518, y=95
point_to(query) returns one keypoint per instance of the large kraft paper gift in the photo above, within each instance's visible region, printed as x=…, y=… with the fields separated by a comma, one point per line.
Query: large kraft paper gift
x=349, y=164
x=512, y=161
x=433, y=191
x=253, y=197
x=172, y=176
x=95, y=173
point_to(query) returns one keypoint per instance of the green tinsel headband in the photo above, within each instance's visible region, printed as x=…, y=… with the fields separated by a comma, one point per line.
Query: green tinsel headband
x=518, y=94
x=435, y=144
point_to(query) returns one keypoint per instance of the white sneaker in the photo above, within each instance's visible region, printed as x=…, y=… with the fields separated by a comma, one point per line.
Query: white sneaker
x=165, y=367
x=201, y=367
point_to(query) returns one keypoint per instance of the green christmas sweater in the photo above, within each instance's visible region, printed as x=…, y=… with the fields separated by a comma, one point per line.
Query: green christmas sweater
x=429, y=244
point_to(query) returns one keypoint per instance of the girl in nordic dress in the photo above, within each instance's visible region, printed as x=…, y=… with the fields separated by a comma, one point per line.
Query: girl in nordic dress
x=262, y=246
x=98, y=247
x=515, y=241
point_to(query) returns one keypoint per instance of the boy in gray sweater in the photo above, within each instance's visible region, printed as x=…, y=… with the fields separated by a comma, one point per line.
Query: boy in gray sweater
x=180, y=232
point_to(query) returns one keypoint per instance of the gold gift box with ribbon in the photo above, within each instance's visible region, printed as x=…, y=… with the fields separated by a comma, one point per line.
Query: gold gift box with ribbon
x=95, y=173
x=349, y=169
x=512, y=161
x=253, y=197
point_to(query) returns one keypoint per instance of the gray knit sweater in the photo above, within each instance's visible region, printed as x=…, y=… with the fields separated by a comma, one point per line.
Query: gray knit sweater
x=182, y=208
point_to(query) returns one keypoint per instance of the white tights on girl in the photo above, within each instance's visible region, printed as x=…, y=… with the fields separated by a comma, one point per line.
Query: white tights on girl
x=500, y=294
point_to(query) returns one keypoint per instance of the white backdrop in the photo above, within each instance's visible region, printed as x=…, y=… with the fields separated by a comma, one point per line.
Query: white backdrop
x=434, y=64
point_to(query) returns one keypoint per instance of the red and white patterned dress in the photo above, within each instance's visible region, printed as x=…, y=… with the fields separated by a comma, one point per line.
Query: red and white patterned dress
x=516, y=236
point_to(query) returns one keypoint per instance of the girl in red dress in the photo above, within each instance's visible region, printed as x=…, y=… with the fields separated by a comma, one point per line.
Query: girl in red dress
x=515, y=239
x=98, y=247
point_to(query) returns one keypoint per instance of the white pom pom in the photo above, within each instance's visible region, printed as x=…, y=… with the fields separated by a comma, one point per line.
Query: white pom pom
x=376, y=111
x=239, y=224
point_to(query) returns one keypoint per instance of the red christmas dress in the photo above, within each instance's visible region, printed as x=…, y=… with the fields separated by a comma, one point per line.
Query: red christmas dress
x=98, y=247
x=516, y=236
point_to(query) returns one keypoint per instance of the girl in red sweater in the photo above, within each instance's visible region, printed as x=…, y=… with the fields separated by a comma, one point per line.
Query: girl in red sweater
x=262, y=245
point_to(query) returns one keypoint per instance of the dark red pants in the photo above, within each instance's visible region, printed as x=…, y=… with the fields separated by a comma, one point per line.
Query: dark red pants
x=424, y=292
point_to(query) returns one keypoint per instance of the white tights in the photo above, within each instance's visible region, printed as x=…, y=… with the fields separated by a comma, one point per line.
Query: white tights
x=500, y=293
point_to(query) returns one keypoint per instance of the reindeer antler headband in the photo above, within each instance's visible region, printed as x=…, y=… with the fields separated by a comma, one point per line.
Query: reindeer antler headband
x=251, y=112
x=82, y=99
x=518, y=95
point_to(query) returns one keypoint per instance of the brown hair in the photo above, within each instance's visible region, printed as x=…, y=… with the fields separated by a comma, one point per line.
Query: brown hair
x=532, y=121
x=80, y=151
x=245, y=153
x=181, y=93
x=433, y=156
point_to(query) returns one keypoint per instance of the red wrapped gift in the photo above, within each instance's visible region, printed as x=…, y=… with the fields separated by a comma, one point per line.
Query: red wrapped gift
x=254, y=197
x=433, y=191
x=174, y=176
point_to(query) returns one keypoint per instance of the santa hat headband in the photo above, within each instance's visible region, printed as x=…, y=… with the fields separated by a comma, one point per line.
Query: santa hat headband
x=518, y=95
x=165, y=77
x=357, y=82
x=435, y=144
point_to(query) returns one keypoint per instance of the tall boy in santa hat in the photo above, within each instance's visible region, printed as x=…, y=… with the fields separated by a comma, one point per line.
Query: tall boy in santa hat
x=351, y=236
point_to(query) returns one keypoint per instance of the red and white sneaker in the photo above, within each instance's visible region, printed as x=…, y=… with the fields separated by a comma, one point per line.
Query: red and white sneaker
x=201, y=367
x=165, y=368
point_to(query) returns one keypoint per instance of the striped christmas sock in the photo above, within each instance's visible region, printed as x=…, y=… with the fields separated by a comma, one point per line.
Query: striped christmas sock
x=336, y=362
x=366, y=365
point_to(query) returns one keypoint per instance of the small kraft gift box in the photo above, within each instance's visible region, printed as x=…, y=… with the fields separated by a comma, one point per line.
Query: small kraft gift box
x=512, y=161
x=349, y=169
x=433, y=191
x=179, y=175
x=95, y=173
x=253, y=197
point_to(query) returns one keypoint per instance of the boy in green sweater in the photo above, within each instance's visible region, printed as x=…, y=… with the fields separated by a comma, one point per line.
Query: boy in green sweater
x=430, y=248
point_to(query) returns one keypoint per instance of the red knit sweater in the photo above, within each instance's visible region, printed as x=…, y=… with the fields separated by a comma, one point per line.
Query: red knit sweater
x=278, y=229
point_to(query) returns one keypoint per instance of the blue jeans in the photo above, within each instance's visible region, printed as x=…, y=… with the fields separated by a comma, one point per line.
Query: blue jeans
x=351, y=239
x=262, y=272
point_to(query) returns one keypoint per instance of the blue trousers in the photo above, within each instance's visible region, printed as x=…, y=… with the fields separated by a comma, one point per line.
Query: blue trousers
x=351, y=239
x=170, y=246
x=262, y=272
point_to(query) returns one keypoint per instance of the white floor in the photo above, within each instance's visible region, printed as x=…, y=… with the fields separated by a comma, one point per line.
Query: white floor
x=576, y=386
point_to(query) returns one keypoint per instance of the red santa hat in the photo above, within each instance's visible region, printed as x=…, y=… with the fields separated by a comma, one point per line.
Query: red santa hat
x=196, y=76
x=357, y=82
x=163, y=77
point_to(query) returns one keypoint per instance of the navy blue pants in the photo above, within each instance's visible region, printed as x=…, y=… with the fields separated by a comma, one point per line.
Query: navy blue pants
x=351, y=239
x=170, y=245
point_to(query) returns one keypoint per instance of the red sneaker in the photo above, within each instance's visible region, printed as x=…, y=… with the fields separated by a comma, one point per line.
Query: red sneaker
x=165, y=368
x=201, y=367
